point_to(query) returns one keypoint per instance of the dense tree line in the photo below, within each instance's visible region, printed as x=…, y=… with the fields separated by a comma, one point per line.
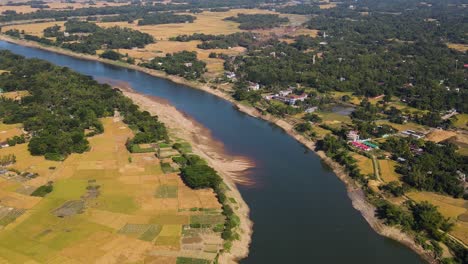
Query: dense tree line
x=184, y=63
x=86, y=37
x=165, y=18
x=243, y=39
x=62, y=104
x=258, y=21
x=437, y=168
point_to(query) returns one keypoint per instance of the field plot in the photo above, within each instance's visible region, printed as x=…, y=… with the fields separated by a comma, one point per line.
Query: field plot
x=107, y=205
x=387, y=170
x=36, y=29
x=456, y=209
x=364, y=164
x=8, y=131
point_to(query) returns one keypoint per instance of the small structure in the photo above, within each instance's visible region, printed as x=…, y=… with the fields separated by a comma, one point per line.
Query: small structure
x=311, y=109
x=285, y=92
x=293, y=98
x=371, y=145
x=353, y=135
x=360, y=146
x=4, y=144
x=66, y=34
x=253, y=86
x=413, y=133
x=401, y=160
x=188, y=64
x=230, y=75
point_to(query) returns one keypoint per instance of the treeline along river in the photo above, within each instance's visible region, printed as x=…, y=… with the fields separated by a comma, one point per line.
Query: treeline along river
x=300, y=210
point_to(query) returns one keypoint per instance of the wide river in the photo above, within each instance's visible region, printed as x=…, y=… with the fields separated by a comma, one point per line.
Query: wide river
x=300, y=210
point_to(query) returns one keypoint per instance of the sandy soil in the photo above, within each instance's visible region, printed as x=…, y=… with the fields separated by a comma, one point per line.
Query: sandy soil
x=354, y=192
x=232, y=168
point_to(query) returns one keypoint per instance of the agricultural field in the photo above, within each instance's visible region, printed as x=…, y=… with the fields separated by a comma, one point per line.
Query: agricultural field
x=387, y=170
x=364, y=164
x=58, y=5
x=9, y=131
x=457, y=209
x=107, y=205
x=36, y=29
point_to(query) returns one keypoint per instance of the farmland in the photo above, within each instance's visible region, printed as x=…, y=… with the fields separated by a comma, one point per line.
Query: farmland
x=113, y=206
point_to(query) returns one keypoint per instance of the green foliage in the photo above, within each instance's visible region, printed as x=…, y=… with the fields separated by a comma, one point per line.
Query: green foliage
x=62, y=104
x=243, y=39
x=16, y=140
x=258, y=21
x=165, y=18
x=43, y=190
x=436, y=169
x=184, y=63
x=111, y=55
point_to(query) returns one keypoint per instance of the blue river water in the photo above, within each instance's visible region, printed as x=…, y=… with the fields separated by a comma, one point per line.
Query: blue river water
x=300, y=209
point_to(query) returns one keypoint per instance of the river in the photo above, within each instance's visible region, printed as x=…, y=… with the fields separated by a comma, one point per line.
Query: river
x=301, y=211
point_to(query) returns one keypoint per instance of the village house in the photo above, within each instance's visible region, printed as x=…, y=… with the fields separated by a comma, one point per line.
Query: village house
x=188, y=64
x=230, y=75
x=360, y=146
x=353, y=135
x=311, y=109
x=253, y=86
x=285, y=92
x=292, y=99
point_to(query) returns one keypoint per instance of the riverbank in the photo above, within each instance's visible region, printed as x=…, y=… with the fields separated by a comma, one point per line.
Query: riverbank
x=358, y=200
x=231, y=168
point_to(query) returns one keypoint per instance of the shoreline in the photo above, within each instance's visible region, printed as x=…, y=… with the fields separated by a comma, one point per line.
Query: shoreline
x=355, y=193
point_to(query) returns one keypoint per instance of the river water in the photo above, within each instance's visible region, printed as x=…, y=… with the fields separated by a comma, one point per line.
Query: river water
x=300, y=210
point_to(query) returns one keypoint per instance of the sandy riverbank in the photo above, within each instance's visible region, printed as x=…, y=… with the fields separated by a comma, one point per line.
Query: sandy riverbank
x=354, y=192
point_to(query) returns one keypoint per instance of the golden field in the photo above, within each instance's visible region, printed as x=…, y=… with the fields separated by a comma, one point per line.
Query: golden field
x=129, y=219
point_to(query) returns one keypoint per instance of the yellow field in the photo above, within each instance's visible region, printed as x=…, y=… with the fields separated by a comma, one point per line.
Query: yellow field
x=58, y=6
x=439, y=135
x=206, y=22
x=458, y=47
x=9, y=131
x=364, y=164
x=387, y=170
x=36, y=29
x=16, y=95
x=112, y=226
x=448, y=206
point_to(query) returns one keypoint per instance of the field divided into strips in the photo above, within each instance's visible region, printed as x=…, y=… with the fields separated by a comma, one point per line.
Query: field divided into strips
x=107, y=205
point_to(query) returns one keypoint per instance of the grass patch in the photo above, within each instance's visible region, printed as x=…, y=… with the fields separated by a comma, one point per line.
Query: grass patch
x=387, y=170
x=151, y=233
x=184, y=260
x=207, y=219
x=166, y=191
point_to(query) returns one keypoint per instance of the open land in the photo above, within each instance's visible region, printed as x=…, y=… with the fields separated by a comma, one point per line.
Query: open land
x=136, y=213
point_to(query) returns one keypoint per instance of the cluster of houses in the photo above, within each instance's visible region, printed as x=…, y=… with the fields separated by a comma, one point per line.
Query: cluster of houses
x=287, y=96
x=355, y=141
x=412, y=133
